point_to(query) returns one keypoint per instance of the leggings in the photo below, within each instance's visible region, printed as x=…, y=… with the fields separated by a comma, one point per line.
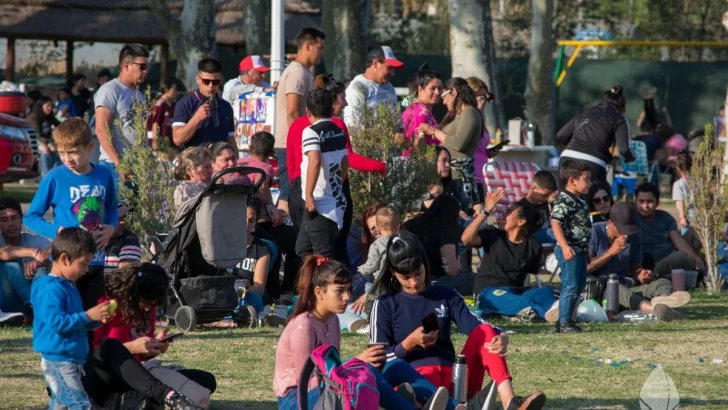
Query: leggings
x=111, y=368
x=479, y=361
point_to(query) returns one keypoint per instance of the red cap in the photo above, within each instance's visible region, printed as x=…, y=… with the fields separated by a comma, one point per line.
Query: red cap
x=253, y=62
x=389, y=57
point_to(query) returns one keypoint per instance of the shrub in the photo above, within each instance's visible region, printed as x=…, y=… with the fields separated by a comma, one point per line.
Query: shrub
x=407, y=178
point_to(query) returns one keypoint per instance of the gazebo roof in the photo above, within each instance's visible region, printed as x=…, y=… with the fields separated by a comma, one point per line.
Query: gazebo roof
x=126, y=21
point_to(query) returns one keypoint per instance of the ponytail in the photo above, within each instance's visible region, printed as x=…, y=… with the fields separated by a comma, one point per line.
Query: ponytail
x=615, y=96
x=317, y=272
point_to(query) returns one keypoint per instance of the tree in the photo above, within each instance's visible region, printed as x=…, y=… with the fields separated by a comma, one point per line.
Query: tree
x=540, y=104
x=473, y=50
x=191, y=36
x=256, y=24
x=345, y=23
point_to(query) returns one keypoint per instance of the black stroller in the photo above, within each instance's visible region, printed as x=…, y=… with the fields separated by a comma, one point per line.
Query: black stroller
x=209, y=237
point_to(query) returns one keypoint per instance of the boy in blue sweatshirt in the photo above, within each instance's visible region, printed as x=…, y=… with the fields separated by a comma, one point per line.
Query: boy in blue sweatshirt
x=60, y=325
x=81, y=195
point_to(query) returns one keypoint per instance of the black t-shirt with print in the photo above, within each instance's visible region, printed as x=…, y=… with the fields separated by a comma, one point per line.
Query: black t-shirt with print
x=256, y=250
x=506, y=263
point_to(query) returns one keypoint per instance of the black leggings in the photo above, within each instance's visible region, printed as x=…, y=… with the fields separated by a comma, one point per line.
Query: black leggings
x=111, y=368
x=284, y=237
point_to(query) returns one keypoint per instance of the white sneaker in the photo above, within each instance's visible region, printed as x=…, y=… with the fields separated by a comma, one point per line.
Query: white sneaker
x=356, y=325
x=11, y=319
x=364, y=330
x=552, y=315
x=438, y=401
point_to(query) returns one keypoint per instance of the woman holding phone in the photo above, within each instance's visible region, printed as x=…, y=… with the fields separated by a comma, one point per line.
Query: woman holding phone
x=398, y=320
x=324, y=289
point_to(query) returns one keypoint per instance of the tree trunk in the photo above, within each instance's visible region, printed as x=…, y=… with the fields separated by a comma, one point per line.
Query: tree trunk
x=191, y=36
x=540, y=107
x=256, y=23
x=345, y=23
x=473, y=51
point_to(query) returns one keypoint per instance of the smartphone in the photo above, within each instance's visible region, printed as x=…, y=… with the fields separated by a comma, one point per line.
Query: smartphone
x=429, y=323
x=500, y=146
x=171, y=337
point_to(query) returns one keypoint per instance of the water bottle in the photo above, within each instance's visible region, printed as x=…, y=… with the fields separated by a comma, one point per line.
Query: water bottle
x=636, y=317
x=612, y=296
x=530, y=136
x=460, y=380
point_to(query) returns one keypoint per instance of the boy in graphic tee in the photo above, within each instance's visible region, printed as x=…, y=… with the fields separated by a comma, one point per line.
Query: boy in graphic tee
x=82, y=195
x=324, y=167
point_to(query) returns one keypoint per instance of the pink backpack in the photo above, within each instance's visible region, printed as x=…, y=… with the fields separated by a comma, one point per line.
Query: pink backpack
x=347, y=386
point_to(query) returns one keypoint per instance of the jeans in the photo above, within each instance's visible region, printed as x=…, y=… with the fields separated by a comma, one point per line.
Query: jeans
x=64, y=384
x=296, y=204
x=393, y=373
x=47, y=162
x=544, y=235
x=253, y=299
x=317, y=236
x=573, y=282
x=508, y=301
x=283, y=183
x=14, y=287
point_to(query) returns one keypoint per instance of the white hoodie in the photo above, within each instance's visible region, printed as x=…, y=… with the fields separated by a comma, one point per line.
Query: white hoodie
x=364, y=91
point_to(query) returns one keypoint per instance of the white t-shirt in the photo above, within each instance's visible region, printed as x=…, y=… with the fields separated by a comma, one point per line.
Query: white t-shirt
x=119, y=99
x=235, y=87
x=28, y=240
x=328, y=195
x=364, y=91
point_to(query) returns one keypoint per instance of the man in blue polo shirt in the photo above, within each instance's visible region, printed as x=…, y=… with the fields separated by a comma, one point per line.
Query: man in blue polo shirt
x=202, y=117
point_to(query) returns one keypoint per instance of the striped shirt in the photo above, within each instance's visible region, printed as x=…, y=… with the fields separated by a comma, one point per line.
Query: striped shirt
x=125, y=248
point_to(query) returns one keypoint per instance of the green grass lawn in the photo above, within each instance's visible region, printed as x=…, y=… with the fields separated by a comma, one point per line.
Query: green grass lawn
x=22, y=193
x=563, y=366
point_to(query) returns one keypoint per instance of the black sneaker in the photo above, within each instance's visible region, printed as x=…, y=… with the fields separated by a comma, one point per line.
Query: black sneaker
x=133, y=400
x=407, y=392
x=569, y=327
x=11, y=319
x=28, y=312
x=533, y=402
x=480, y=400
x=179, y=402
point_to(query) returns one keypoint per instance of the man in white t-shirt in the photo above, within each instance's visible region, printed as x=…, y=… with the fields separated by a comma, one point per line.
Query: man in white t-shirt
x=324, y=168
x=23, y=256
x=252, y=71
x=373, y=87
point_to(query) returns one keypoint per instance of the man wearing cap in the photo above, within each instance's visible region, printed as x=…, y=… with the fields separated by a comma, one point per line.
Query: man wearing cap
x=373, y=87
x=250, y=80
x=616, y=247
x=124, y=248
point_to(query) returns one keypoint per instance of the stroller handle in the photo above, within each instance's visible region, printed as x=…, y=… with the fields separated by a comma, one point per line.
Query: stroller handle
x=242, y=171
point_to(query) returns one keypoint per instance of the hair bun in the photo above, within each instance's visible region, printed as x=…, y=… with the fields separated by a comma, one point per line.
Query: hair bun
x=424, y=67
x=617, y=90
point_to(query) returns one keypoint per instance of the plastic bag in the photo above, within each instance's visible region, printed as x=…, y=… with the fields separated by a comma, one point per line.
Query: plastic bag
x=590, y=311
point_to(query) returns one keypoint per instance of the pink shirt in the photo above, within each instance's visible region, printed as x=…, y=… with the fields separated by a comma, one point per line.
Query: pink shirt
x=414, y=115
x=481, y=157
x=302, y=334
x=255, y=163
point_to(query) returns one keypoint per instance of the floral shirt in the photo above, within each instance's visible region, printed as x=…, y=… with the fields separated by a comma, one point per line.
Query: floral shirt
x=413, y=116
x=572, y=213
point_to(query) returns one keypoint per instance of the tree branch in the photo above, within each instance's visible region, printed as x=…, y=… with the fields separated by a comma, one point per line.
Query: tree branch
x=162, y=14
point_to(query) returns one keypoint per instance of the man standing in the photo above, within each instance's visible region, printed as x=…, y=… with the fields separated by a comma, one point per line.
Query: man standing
x=295, y=82
x=252, y=70
x=373, y=87
x=158, y=125
x=23, y=256
x=202, y=117
x=115, y=101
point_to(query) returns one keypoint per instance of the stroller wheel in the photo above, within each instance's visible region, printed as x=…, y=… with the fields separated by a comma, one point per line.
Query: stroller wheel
x=246, y=317
x=185, y=318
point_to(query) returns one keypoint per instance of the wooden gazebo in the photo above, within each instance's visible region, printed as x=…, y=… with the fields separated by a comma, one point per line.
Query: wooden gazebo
x=124, y=21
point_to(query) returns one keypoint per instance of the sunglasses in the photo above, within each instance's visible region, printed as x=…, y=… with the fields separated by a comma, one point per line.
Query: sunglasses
x=142, y=66
x=445, y=93
x=208, y=81
x=599, y=200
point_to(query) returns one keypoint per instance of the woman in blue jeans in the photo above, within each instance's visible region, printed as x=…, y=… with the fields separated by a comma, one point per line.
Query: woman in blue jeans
x=510, y=255
x=324, y=291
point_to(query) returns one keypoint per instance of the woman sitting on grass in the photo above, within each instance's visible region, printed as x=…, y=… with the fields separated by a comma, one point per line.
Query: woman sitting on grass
x=121, y=344
x=396, y=322
x=324, y=291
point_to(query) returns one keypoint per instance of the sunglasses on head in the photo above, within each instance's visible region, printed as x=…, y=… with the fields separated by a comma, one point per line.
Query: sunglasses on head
x=142, y=66
x=602, y=199
x=208, y=81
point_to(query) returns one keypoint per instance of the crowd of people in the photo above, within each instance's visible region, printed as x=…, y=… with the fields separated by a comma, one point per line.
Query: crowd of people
x=79, y=277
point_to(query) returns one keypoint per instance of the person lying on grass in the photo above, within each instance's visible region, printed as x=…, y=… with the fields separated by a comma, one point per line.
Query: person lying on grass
x=396, y=321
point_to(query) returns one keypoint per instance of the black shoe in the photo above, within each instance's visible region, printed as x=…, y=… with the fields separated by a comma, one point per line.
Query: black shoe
x=179, y=402
x=533, y=402
x=28, y=312
x=133, y=400
x=569, y=327
x=480, y=399
x=407, y=392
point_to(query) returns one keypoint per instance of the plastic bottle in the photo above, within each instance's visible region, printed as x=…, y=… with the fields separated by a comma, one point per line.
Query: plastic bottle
x=460, y=379
x=530, y=135
x=636, y=317
x=612, y=294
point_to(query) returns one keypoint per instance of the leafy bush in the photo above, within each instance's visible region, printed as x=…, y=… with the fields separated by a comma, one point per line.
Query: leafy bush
x=149, y=188
x=407, y=178
x=710, y=199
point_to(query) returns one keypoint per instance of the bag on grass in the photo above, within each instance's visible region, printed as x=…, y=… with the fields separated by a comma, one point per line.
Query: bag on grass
x=347, y=386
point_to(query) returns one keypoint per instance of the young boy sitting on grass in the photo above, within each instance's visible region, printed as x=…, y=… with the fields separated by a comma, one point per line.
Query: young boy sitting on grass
x=572, y=230
x=60, y=325
x=542, y=187
x=81, y=195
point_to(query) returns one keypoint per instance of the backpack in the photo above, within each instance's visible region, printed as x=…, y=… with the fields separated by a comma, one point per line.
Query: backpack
x=347, y=386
